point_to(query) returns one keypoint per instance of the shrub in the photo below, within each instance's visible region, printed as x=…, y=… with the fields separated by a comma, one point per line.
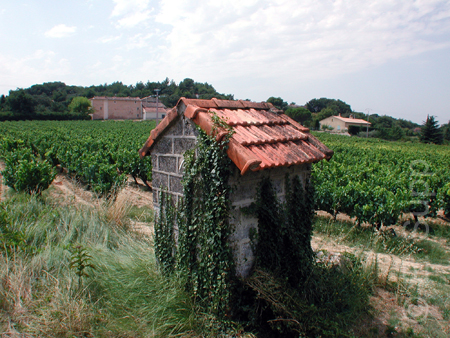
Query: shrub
x=446, y=199
x=25, y=172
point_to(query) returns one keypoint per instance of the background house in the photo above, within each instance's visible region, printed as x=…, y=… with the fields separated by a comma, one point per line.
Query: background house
x=340, y=124
x=116, y=108
x=265, y=142
x=127, y=108
x=153, y=109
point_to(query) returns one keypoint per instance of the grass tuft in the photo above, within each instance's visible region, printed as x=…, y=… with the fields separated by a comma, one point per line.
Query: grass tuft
x=123, y=293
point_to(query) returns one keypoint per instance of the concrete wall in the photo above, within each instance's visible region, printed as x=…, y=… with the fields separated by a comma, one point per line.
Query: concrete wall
x=337, y=124
x=120, y=108
x=243, y=195
x=154, y=116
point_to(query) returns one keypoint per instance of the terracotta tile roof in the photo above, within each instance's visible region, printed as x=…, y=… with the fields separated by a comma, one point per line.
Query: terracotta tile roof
x=352, y=120
x=263, y=136
x=117, y=98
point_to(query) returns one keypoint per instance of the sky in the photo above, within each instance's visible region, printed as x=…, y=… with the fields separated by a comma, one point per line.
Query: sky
x=386, y=57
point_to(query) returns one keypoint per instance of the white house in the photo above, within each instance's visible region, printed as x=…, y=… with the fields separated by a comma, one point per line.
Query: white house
x=340, y=124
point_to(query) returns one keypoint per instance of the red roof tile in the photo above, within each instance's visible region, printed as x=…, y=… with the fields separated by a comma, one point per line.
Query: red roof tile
x=263, y=136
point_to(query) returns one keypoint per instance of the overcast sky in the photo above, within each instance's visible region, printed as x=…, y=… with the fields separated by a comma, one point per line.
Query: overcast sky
x=390, y=57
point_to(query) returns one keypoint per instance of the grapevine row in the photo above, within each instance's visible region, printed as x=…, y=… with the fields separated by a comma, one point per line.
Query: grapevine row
x=376, y=181
x=98, y=153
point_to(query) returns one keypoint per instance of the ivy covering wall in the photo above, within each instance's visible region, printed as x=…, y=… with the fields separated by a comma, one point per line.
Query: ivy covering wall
x=283, y=240
x=202, y=255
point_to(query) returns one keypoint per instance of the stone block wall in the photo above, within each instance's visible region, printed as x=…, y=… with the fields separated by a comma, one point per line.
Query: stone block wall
x=168, y=161
x=243, y=195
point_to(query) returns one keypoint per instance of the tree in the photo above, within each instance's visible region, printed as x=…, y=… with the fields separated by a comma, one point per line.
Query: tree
x=447, y=131
x=80, y=105
x=20, y=103
x=396, y=133
x=278, y=102
x=338, y=106
x=300, y=114
x=2, y=102
x=324, y=113
x=430, y=131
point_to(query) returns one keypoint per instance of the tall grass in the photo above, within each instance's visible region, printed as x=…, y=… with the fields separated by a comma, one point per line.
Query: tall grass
x=123, y=295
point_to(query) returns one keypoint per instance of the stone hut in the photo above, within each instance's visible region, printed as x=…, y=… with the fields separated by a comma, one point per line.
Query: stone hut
x=265, y=142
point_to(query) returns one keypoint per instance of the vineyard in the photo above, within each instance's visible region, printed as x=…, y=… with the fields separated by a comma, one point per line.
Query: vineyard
x=376, y=181
x=372, y=180
x=114, y=287
x=99, y=154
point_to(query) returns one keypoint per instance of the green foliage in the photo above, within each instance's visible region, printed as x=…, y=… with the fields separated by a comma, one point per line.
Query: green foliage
x=99, y=155
x=335, y=106
x=80, y=260
x=326, y=304
x=283, y=242
x=52, y=100
x=205, y=225
x=376, y=181
x=204, y=257
x=164, y=234
x=80, y=105
x=26, y=172
x=446, y=199
x=278, y=102
x=20, y=103
x=431, y=132
x=326, y=127
x=447, y=132
x=396, y=133
x=11, y=240
x=301, y=115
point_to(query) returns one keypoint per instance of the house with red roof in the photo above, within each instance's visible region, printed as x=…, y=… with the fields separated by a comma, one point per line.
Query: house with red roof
x=127, y=108
x=264, y=142
x=340, y=124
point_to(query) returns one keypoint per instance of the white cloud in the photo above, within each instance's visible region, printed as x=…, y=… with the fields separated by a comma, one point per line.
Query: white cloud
x=108, y=39
x=308, y=39
x=139, y=41
x=130, y=13
x=37, y=67
x=60, y=31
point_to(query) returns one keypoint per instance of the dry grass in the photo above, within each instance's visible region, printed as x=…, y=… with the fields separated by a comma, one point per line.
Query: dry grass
x=34, y=301
x=116, y=211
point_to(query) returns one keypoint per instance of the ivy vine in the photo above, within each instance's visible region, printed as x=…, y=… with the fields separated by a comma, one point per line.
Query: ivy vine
x=203, y=254
x=164, y=233
x=283, y=242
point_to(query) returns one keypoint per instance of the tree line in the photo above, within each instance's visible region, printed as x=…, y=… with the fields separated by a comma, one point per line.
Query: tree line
x=58, y=101
x=382, y=126
x=51, y=100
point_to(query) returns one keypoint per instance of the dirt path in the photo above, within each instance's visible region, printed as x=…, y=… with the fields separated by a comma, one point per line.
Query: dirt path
x=390, y=265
